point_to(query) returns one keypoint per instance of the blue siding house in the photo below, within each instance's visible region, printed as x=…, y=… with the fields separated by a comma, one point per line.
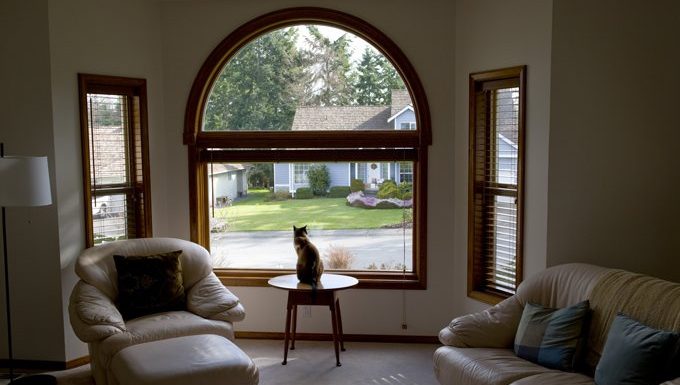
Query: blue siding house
x=398, y=116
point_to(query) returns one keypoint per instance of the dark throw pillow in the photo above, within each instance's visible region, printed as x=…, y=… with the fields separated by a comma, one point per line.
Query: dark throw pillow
x=635, y=354
x=149, y=284
x=551, y=337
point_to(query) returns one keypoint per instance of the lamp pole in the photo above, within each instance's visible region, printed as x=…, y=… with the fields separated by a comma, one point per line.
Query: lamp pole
x=7, y=299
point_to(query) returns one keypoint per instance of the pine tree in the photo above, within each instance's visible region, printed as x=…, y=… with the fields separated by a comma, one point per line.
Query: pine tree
x=328, y=78
x=257, y=89
x=368, y=90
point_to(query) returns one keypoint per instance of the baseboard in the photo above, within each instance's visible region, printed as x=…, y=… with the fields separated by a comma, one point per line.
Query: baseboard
x=389, y=338
x=44, y=365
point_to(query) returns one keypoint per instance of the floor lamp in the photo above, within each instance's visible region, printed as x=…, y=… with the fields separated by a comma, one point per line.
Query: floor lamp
x=25, y=182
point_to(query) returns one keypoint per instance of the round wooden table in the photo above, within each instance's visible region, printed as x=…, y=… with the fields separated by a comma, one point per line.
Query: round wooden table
x=325, y=295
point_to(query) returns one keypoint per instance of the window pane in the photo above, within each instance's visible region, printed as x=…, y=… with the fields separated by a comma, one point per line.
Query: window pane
x=254, y=206
x=505, y=243
x=507, y=128
x=109, y=217
x=107, y=123
x=308, y=77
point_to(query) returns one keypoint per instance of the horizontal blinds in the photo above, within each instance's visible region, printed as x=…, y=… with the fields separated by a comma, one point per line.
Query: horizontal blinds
x=495, y=190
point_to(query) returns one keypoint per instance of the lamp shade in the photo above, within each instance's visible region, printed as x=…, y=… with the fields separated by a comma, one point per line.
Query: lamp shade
x=24, y=181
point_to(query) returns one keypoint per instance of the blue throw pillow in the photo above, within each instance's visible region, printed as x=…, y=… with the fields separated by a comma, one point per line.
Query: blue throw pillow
x=635, y=354
x=551, y=337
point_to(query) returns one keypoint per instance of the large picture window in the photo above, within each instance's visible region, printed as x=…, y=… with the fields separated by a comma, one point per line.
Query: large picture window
x=292, y=120
x=497, y=105
x=115, y=158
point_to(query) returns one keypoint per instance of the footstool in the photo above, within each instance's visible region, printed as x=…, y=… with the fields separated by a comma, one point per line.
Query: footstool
x=205, y=359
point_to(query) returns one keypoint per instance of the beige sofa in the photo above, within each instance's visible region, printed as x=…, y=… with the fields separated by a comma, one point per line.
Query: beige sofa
x=478, y=347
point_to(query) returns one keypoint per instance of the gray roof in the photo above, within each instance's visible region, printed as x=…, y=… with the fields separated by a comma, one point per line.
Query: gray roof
x=342, y=118
x=400, y=99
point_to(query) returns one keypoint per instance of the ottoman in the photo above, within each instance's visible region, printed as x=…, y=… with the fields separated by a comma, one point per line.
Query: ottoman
x=205, y=359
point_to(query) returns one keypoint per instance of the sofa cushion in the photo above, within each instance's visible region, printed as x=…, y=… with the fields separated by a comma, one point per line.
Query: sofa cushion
x=481, y=366
x=149, y=284
x=556, y=378
x=551, y=337
x=635, y=354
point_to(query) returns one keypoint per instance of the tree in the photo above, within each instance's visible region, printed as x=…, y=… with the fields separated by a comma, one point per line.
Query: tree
x=368, y=88
x=375, y=79
x=257, y=89
x=261, y=175
x=319, y=178
x=328, y=77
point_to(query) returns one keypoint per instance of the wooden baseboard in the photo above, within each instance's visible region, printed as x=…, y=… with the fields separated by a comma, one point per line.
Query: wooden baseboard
x=46, y=366
x=388, y=338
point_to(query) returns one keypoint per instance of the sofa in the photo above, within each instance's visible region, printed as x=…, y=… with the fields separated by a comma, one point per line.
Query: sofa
x=479, y=348
x=210, y=309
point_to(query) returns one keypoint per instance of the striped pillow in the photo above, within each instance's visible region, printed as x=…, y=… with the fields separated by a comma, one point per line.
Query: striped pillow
x=551, y=337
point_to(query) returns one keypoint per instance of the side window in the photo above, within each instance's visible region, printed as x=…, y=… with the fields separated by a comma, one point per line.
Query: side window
x=115, y=158
x=497, y=104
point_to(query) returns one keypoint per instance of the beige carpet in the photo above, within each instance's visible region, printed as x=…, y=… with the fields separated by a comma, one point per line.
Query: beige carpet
x=313, y=362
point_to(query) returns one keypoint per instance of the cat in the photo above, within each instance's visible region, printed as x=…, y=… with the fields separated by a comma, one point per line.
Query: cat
x=309, y=264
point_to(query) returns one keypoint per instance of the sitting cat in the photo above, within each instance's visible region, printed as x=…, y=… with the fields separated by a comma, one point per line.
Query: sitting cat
x=309, y=265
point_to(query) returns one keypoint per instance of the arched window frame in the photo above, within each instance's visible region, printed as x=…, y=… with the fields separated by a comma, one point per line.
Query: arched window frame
x=258, y=146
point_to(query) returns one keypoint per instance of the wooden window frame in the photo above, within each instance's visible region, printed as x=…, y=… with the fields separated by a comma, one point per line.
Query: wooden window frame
x=476, y=288
x=139, y=193
x=313, y=146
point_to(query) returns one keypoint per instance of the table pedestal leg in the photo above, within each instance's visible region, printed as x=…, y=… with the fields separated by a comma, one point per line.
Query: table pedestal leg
x=339, y=321
x=334, y=321
x=287, y=333
x=295, y=309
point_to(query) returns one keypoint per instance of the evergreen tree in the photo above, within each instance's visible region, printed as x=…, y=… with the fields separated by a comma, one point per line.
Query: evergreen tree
x=368, y=88
x=389, y=78
x=257, y=89
x=328, y=79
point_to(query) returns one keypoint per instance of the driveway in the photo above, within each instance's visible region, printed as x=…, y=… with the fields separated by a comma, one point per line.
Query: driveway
x=274, y=249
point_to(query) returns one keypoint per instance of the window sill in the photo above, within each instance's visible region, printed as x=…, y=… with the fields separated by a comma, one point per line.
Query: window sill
x=367, y=280
x=486, y=297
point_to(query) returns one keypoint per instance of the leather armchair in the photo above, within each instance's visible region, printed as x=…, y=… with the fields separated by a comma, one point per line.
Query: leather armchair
x=211, y=307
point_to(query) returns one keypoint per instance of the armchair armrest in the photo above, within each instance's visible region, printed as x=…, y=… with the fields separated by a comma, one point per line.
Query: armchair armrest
x=672, y=382
x=492, y=328
x=209, y=298
x=93, y=315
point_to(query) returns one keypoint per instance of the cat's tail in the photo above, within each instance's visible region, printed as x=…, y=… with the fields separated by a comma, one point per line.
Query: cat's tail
x=313, y=290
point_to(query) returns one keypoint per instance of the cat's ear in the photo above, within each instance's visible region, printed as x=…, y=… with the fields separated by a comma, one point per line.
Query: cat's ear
x=304, y=228
x=294, y=228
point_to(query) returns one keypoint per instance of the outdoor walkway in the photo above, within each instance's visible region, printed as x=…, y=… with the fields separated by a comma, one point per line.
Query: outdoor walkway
x=274, y=249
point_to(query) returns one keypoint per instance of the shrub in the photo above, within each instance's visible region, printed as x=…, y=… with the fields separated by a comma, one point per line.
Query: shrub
x=304, y=193
x=388, y=189
x=356, y=185
x=281, y=195
x=339, y=191
x=338, y=257
x=319, y=179
x=405, y=191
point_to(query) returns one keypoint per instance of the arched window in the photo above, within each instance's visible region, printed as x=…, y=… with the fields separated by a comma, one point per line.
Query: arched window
x=309, y=116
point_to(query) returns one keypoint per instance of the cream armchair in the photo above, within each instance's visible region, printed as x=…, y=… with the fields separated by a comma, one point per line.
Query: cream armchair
x=210, y=307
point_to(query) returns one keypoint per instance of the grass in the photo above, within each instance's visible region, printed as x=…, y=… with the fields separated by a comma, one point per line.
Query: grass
x=255, y=214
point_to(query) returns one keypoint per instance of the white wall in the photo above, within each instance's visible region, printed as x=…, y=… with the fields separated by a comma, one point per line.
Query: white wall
x=614, y=166
x=425, y=32
x=25, y=128
x=491, y=35
x=107, y=38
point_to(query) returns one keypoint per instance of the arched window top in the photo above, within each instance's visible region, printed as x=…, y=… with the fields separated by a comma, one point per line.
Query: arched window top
x=264, y=55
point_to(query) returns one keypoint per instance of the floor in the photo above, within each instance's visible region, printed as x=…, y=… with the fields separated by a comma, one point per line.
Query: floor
x=313, y=362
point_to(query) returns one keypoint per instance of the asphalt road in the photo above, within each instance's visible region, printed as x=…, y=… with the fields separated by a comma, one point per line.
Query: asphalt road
x=274, y=249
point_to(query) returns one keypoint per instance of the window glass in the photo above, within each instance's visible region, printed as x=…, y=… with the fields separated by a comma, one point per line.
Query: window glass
x=306, y=78
x=254, y=208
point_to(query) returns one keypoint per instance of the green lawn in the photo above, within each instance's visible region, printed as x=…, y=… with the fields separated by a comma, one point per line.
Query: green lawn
x=254, y=214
